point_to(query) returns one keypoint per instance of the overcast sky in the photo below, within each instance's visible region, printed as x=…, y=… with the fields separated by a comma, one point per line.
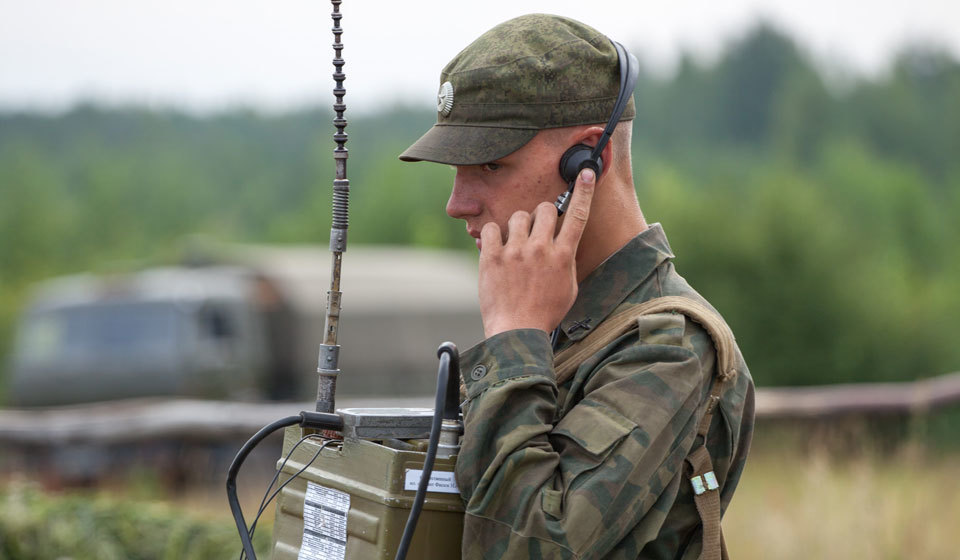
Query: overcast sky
x=206, y=55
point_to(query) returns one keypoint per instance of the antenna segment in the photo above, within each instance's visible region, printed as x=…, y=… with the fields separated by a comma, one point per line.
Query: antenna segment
x=328, y=362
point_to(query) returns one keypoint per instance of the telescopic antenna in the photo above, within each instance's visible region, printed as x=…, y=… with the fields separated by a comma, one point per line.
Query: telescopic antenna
x=328, y=361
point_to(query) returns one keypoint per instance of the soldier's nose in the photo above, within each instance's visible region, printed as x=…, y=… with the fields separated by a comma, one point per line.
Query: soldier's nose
x=461, y=205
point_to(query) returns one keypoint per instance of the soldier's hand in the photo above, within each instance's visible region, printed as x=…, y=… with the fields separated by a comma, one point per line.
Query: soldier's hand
x=531, y=280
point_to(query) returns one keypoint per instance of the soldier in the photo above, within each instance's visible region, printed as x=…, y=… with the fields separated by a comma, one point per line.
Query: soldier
x=625, y=433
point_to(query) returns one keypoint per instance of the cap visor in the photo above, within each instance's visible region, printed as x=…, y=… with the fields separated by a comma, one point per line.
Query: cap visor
x=467, y=145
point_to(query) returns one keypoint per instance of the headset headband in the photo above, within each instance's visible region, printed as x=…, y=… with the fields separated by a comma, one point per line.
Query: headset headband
x=576, y=158
x=629, y=71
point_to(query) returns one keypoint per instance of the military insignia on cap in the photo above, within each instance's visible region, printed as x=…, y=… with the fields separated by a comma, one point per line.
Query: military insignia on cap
x=445, y=99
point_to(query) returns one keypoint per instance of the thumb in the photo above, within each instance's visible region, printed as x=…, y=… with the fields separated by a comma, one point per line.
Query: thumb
x=579, y=210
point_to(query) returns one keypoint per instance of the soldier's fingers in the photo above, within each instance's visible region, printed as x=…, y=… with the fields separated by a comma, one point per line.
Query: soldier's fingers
x=575, y=219
x=544, y=222
x=518, y=227
x=490, y=240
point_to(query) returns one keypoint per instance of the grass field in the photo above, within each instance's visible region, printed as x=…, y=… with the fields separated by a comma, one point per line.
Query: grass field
x=905, y=505
x=794, y=502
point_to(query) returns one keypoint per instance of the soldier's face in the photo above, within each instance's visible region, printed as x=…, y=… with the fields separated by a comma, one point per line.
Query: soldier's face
x=492, y=192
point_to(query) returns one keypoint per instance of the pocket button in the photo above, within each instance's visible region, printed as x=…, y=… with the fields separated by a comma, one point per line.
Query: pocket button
x=478, y=372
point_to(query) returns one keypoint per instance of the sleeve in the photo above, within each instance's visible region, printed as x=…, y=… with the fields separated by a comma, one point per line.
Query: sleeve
x=537, y=488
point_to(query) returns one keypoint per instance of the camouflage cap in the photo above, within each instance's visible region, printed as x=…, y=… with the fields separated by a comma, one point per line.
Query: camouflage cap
x=529, y=73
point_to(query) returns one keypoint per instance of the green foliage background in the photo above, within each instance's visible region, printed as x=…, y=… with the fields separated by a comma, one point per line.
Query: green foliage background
x=818, y=215
x=35, y=525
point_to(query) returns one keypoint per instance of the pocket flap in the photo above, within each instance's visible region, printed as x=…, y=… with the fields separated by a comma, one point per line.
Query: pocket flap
x=594, y=427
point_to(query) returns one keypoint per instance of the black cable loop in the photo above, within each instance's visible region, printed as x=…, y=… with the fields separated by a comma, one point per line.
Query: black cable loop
x=449, y=369
x=266, y=501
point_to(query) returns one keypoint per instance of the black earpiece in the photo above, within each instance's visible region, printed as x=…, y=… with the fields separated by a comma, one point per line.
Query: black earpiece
x=581, y=155
x=577, y=158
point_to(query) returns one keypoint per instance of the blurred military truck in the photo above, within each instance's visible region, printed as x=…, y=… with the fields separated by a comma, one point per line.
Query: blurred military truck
x=244, y=325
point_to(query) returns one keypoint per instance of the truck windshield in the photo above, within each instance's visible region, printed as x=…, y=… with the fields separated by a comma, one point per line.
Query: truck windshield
x=104, y=331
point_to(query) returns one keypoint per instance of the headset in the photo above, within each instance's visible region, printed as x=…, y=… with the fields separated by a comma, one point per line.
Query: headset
x=580, y=156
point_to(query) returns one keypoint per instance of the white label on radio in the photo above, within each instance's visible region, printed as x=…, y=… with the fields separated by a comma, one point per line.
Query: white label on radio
x=440, y=481
x=324, y=523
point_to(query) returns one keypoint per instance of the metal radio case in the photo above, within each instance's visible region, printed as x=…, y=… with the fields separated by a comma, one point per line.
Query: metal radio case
x=373, y=475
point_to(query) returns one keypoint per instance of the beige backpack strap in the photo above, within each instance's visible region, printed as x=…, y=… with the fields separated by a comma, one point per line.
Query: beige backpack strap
x=624, y=319
x=706, y=488
x=566, y=362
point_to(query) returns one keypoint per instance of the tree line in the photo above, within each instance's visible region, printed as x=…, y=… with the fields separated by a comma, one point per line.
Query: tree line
x=816, y=211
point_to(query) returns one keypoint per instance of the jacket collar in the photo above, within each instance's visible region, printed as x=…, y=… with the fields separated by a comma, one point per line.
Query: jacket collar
x=616, y=278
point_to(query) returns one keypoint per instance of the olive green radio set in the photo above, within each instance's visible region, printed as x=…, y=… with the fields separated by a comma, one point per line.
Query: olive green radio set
x=356, y=481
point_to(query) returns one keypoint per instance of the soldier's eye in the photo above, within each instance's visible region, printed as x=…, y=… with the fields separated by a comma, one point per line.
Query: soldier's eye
x=491, y=166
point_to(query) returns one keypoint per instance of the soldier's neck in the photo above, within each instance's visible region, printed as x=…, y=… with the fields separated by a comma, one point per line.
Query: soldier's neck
x=615, y=219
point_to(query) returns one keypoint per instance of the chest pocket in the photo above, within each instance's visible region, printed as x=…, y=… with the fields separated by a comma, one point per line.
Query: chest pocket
x=585, y=438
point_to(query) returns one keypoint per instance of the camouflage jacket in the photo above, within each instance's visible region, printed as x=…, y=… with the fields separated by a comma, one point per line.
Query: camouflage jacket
x=595, y=468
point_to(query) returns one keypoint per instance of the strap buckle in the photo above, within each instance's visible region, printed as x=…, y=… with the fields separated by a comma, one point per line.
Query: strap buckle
x=712, y=402
x=703, y=483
